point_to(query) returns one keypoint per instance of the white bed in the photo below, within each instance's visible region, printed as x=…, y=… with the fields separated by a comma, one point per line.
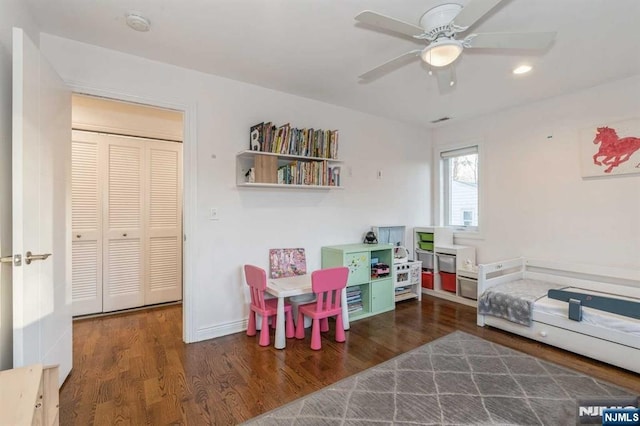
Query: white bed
x=611, y=338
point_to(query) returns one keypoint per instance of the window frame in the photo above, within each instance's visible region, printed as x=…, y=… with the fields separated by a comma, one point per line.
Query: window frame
x=472, y=232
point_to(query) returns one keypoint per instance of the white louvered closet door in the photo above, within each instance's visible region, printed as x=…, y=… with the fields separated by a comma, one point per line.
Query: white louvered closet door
x=86, y=237
x=127, y=222
x=164, y=224
x=123, y=224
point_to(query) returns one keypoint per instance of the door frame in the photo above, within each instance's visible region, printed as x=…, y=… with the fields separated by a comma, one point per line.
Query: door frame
x=189, y=188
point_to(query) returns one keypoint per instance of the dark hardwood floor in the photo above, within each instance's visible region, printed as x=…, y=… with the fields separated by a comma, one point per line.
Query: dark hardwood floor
x=134, y=369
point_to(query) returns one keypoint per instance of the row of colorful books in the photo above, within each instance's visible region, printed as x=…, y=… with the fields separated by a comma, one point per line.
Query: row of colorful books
x=309, y=173
x=266, y=137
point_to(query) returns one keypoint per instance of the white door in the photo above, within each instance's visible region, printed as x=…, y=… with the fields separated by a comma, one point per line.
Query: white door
x=41, y=208
x=123, y=224
x=86, y=234
x=164, y=226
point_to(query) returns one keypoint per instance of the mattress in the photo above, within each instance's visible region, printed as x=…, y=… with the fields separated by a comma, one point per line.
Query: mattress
x=551, y=308
x=514, y=300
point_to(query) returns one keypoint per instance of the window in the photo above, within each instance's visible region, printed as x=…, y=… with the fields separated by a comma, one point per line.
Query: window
x=460, y=188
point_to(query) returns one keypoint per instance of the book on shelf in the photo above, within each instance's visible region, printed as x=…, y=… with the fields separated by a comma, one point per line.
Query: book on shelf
x=283, y=139
x=354, y=307
x=309, y=143
x=333, y=149
x=269, y=131
x=256, y=137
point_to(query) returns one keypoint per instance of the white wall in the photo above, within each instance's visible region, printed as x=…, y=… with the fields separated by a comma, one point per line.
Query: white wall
x=13, y=13
x=535, y=202
x=251, y=220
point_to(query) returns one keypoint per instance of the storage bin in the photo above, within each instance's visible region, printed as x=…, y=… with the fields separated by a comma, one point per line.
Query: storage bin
x=426, y=259
x=425, y=245
x=425, y=236
x=296, y=301
x=448, y=281
x=447, y=263
x=427, y=280
x=468, y=288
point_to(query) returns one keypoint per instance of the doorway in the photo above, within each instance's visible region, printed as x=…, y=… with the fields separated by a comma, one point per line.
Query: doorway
x=126, y=205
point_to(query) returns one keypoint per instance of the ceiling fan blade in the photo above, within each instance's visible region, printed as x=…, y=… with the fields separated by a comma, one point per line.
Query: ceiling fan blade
x=510, y=40
x=389, y=66
x=446, y=79
x=386, y=22
x=472, y=12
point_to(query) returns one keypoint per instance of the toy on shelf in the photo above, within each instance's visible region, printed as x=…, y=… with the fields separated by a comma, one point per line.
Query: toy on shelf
x=400, y=254
x=370, y=238
x=380, y=270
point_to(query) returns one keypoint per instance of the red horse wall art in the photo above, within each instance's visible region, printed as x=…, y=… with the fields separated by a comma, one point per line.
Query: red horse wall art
x=613, y=154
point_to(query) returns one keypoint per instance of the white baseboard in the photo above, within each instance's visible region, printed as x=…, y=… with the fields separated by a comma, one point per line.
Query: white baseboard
x=220, y=330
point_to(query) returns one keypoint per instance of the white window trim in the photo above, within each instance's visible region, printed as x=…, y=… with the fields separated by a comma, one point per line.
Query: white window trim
x=438, y=205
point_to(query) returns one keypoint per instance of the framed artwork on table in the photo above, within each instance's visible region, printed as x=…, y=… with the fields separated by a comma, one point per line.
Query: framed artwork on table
x=287, y=262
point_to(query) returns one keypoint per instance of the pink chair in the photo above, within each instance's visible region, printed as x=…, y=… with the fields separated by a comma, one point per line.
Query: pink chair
x=257, y=282
x=327, y=284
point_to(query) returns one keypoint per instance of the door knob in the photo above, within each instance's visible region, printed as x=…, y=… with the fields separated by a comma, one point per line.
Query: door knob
x=30, y=257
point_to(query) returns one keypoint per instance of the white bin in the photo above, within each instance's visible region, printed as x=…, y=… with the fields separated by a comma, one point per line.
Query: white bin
x=446, y=263
x=296, y=301
x=426, y=259
x=468, y=287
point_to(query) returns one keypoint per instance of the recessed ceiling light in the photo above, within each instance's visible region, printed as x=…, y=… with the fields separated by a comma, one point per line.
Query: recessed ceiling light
x=522, y=69
x=138, y=22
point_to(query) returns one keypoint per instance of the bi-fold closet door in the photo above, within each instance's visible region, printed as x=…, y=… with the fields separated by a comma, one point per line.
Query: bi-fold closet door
x=127, y=222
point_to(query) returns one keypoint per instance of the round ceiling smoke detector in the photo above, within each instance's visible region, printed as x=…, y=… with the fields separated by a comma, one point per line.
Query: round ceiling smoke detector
x=138, y=23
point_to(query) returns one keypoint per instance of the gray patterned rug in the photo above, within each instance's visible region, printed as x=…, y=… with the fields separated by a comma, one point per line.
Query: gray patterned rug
x=457, y=379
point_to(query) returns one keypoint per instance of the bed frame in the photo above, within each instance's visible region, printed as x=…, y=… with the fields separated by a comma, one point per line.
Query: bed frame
x=616, y=348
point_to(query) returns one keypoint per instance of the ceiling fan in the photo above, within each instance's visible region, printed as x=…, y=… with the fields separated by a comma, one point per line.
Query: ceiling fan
x=439, y=27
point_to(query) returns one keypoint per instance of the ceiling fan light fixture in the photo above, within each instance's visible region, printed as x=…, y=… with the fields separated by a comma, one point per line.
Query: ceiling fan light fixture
x=442, y=52
x=437, y=19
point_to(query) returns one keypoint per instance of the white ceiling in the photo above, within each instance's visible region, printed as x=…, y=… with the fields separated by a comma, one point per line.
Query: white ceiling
x=315, y=49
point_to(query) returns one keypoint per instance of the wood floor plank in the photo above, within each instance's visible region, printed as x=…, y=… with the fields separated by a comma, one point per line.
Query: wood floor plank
x=133, y=368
